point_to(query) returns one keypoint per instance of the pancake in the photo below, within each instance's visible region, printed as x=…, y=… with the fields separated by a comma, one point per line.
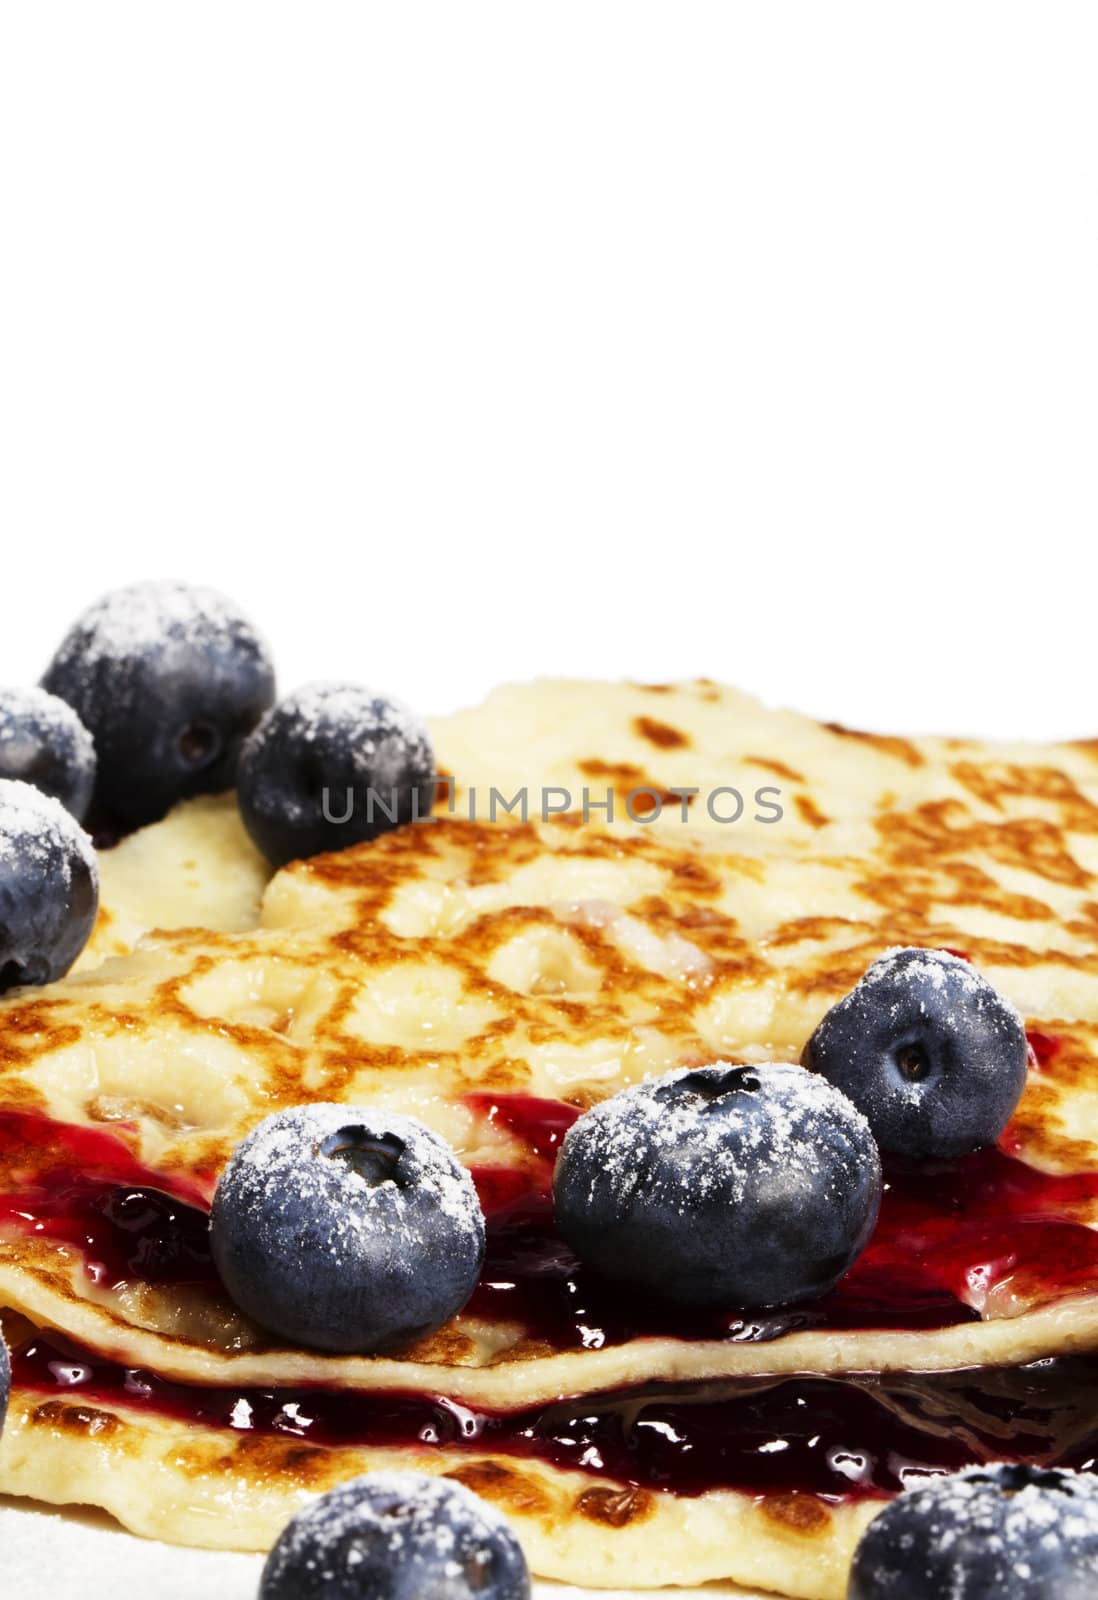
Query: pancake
x=494, y=979
x=833, y=782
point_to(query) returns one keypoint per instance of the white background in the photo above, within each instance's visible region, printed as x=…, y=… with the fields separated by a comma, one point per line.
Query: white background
x=481, y=341
x=472, y=342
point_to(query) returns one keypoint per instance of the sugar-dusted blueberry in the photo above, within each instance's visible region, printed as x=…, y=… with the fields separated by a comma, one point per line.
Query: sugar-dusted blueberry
x=49, y=887
x=721, y=1186
x=332, y=765
x=928, y=1050
x=347, y=1228
x=998, y=1532
x=396, y=1536
x=169, y=679
x=44, y=742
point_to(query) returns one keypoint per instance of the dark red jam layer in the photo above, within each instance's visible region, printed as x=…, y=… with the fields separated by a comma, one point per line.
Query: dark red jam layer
x=949, y=1235
x=838, y=1438
x=85, y=1187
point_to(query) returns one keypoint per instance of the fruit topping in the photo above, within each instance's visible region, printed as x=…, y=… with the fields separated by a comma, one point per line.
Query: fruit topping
x=169, y=680
x=721, y=1186
x=999, y=1532
x=347, y=1228
x=43, y=742
x=49, y=887
x=396, y=1536
x=928, y=1051
x=332, y=765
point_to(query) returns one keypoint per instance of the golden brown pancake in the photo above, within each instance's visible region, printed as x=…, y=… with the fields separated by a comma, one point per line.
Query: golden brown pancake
x=456, y=970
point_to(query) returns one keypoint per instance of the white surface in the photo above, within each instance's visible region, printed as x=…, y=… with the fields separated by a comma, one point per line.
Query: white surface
x=472, y=342
x=469, y=342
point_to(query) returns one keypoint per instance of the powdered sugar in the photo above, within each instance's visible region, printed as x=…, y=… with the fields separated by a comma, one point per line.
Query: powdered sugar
x=347, y=1228
x=721, y=1186
x=1031, y=1533
x=928, y=1049
x=275, y=1159
x=321, y=709
x=44, y=742
x=941, y=970
x=780, y=1138
x=447, y=1535
x=20, y=704
x=126, y=622
x=36, y=830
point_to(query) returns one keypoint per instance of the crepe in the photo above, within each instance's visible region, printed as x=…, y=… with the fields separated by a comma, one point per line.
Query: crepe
x=454, y=969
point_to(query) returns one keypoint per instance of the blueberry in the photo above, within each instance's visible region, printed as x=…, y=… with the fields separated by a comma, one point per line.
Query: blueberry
x=49, y=887
x=988, y=1533
x=330, y=766
x=722, y=1186
x=169, y=679
x=44, y=742
x=347, y=1228
x=396, y=1536
x=931, y=1054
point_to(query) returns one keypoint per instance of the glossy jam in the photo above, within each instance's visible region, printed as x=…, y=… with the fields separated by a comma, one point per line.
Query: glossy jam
x=1044, y=1047
x=39, y=1153
x=538, y=1124
x=838, y=1438
x=85, y=1187
x=951, y=1237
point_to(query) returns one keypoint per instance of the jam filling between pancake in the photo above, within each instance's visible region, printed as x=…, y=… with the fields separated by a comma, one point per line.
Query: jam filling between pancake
x=952, y=1237
x=838, y=1438
x=987, y=1232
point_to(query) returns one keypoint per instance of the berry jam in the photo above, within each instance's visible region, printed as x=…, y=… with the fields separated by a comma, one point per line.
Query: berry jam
x=842, y=1439
x=84, y=1187
x=1044, y=1047
x=538, y=1124
x=951, y=1235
